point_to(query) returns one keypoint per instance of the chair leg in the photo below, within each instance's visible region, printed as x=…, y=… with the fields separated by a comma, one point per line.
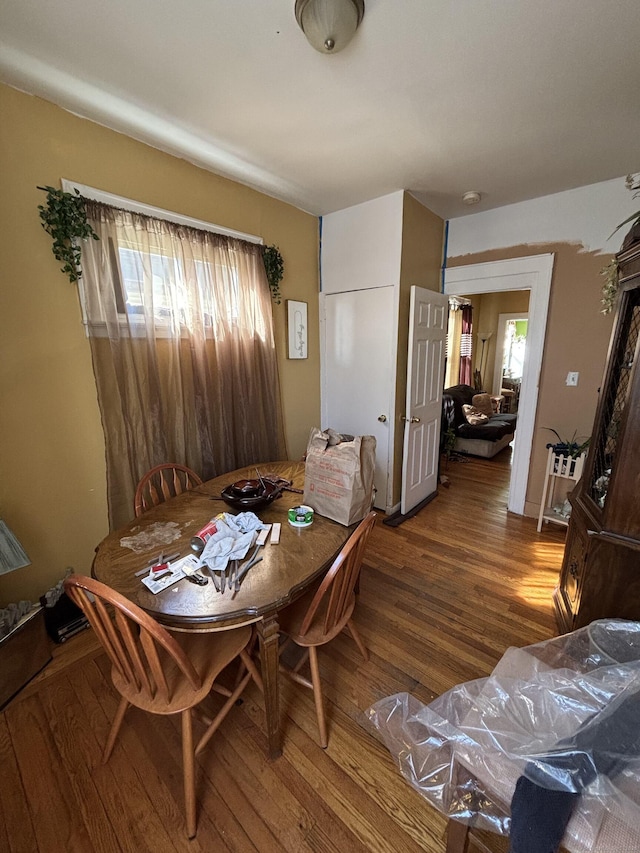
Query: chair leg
x=304, y=657
x=358, y=639
x=317, y=695
x=189, y=771
x=115, y=728
x=222, y=713
x=253, y=669
x=249, y=650
x=457, y=836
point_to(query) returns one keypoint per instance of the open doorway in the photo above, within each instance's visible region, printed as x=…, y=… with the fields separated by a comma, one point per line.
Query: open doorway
x=532, y=274
x=499, y=325
x=510, y=356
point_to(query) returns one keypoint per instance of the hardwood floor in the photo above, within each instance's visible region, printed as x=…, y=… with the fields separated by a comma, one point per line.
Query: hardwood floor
x=441, y=598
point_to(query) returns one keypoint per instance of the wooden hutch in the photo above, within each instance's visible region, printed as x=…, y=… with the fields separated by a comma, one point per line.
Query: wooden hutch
x=600, y=575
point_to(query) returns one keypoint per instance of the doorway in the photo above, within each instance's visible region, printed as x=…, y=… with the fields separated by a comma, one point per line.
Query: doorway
x=531, y=273
x=510, y=355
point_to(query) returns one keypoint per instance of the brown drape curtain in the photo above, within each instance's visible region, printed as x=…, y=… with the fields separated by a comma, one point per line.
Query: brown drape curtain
x=181, y=331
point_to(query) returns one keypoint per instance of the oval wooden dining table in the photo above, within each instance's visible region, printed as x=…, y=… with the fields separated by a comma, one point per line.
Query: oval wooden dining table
x=285, y=572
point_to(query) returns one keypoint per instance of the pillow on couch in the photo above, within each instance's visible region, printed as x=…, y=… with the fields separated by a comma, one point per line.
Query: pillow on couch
x=483, y=403
x=473, y=415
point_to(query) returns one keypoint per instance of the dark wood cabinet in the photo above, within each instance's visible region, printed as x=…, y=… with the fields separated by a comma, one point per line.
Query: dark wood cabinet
x=600, y=575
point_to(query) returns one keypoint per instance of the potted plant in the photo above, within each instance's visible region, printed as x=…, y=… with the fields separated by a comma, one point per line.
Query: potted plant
x=632, y=182
x=611, y=272
x=569, y=449
x=448, y=442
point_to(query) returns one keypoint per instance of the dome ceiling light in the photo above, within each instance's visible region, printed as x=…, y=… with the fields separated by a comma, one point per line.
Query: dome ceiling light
x=329, y=25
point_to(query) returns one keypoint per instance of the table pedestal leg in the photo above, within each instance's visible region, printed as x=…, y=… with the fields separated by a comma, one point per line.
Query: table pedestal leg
x=268, y=633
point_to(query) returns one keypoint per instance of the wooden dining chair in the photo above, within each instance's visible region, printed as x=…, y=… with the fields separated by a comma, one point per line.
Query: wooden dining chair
x=161, y=483
x=163, y=673
x=322, y=613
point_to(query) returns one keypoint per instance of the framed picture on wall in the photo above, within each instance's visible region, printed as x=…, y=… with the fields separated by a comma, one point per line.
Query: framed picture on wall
x=297, y=329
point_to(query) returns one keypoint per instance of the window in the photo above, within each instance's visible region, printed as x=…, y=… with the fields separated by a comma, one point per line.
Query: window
x=181, y=330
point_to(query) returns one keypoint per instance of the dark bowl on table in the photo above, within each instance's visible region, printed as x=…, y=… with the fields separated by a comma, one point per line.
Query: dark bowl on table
x=250, y=494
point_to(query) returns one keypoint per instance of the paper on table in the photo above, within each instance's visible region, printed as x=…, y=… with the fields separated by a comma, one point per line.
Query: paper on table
x=155, y=535
x=176, y=571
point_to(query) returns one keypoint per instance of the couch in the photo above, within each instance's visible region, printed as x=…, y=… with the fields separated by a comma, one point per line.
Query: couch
x=483, y=439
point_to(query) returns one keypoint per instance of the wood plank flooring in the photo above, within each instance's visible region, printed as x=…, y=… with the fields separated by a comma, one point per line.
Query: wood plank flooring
x=442, y=596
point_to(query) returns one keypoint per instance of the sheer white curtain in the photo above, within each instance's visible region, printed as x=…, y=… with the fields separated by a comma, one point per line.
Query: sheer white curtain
x=181, y=331
x=454, y=335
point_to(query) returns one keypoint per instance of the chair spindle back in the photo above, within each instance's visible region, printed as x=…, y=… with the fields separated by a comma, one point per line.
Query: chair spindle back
x=338, y=585
x=139, y=648
x=162, y=483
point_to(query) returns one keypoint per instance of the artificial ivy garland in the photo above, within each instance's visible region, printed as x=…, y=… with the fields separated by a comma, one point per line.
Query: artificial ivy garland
x=610, y=286
x=274, y=267
x=65, y=219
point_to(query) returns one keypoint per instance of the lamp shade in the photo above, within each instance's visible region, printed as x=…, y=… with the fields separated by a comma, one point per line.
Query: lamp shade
x=12, y=554
x=329, y=25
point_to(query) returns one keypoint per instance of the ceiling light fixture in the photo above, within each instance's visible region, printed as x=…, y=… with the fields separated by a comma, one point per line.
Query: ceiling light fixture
x=329, y=25
x=471, y=198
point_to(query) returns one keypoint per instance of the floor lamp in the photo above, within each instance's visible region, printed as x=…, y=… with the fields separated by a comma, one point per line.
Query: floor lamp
x=484, y=337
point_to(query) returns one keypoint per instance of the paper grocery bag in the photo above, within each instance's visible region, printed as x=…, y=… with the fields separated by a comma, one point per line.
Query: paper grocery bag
x=338, y=480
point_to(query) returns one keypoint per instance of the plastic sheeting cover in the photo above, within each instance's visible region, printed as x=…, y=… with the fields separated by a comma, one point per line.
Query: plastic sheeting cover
x=564, y=713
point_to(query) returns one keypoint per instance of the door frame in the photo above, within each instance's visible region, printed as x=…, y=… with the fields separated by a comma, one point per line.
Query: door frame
x=532, y=273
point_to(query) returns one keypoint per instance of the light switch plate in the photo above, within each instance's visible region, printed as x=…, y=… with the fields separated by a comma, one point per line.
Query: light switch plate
x=572, y=378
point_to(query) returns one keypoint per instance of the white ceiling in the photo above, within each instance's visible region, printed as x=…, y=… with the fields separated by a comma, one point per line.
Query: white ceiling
x=513, y=98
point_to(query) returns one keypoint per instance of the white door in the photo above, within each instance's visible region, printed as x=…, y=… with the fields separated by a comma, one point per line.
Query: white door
x=358, y=371
x=428, y=317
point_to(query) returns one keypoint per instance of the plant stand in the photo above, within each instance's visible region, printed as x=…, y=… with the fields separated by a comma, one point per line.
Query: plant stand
x=559, y=468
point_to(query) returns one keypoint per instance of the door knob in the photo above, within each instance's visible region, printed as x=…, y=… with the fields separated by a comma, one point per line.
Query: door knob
x=410, y=420
x=382, y=418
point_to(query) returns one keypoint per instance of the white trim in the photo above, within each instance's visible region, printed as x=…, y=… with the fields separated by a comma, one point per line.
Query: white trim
x=157, y=212
x=531, y=273
x=499, y=354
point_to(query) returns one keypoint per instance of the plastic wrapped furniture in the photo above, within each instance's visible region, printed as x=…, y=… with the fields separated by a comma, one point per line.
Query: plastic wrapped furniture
x=558, y=723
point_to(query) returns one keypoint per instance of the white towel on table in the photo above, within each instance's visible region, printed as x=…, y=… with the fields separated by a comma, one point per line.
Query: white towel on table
x=233, y=537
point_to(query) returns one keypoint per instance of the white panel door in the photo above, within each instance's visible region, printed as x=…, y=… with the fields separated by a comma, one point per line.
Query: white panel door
x=428, y=318
x=358, y=372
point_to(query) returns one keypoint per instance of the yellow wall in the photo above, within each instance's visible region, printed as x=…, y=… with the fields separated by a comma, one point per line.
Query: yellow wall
x=52, y=487
x=420, y=264
x=577, y=338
